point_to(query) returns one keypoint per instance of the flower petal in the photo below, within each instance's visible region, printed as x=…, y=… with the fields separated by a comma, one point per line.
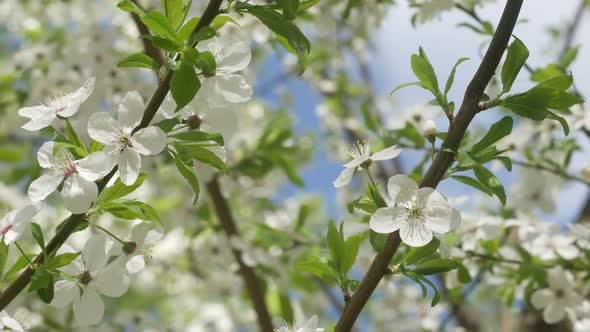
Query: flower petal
x=149, y=141
x=103, y=128
x=386, y=154
x=64, y=292
x=112, y=281
x=44, y=185
x=557, y=279
x=344, y=178
x=135, y=264
x=75, y=99
x=95, y=254
x=94, y=166
x=415, y=234
x=129, y=166
x=45, y=155
x=78, y=194
x=231, y=88
x=89, y=308
x=387, y=220
x=41, y=116
x=356, y=162
x=553, y=313
x=443, y=218
x=401, y=188
x=541, y=298
x=130, y=110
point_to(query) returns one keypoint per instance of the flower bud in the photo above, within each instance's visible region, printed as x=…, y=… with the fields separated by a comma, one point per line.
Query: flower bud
x=430, y=130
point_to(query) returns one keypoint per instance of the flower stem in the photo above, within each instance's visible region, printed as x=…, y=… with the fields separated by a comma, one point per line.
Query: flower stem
x=107, y=232
x=371, y=177
x=24, y=255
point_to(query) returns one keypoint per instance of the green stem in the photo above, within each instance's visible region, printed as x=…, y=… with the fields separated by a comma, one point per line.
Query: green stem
x=371, y=177
x=24, y=255
x=109, y=233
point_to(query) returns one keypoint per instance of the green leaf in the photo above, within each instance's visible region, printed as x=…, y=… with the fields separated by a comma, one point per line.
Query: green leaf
x=198, y=136
x=562, y=121
x=205, y=156
x=3, y=255
x=351, y=249
x=46, y=294
x=62, y=260
x=74, y=138
x=525, y=105
x=289, y=7
x=376, y=196
x=515, y=59
x=418, y=253
x=206, y=62
x=424, y=71
x=451, y=78
x=130, y=6
x=488, y=179
x=40, y=279
x=435, y=265
x=463, y=274
x=184, y=85
x=204, y=33
x=139, y=60
x=569, y=57
x=132, y=210
x=118, y=190
x=377, y=240
x=164, y=43
x=320, y=268
x=289, y=168
x=335, y=245
x=189, y=174
x=473, y=183
x=38, y=235
x=95, y=146
x=497, y=131
x=159, y=24
x=401, y=86
x=174, y=11
x=436, y=296
x=187, y=29
x=20, y=264
x=507, y=162
x=220, y=20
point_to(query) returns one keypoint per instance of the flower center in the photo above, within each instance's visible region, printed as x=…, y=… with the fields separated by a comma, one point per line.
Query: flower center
x=70, y=168
x=129, y=247
x=125, y=141
x=85, y=278
x=361, y=150
x=559, y=293
x=5, y=230
x=57, y=102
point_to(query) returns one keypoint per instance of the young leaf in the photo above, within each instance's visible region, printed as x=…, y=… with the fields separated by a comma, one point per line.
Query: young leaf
x=205, y=156
x=3, y=255
x=488, y=179
x=198, y=136
x=130, y=6
x=289, y=7
x=118, y=190
x=424, y=72
x=74, y=138
x=62, y=260
x=184, y=85
x=38, y=235
x=140, y=60
x=377, y=240
x=401, y=86
x=189, y=174
x=351, y=249
x=473, y=183
x=562, y=121
x=515, y=59
x=335, y=245
x=206, y=61
x=320, y=268
x=159, y=24
x=497, y=131
x=174, y=11
x=451, y=78
x=418, y=253
x=187, y=29
x=435, y=265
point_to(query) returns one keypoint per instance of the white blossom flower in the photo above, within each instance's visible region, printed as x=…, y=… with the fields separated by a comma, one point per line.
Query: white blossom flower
x=417, y=115
x=558, y=298
x=308, y=326
x=551, y=243
x=417, y=212
x=143, y=236
x=362, y=156
x=580, y=118
x=65, y=106
x=232, y=54
x=123, y=147
x=13, y=224
x=79, y=190
x=93, y=276
x=8, y=323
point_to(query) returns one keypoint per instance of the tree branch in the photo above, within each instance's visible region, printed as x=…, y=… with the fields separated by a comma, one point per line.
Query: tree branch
x=152, y=51
x=253, y=285
x=469, y=108
x=69, y=225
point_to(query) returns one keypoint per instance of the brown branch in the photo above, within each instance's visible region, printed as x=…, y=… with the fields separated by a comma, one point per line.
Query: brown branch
x=253, y=284
x=469, y=108
x=572, y=29
x=69, y=225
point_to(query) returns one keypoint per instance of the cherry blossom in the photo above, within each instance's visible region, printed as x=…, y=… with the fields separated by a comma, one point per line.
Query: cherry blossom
x=142, y=237
x=417, y=212
x=306, y=326
x=8, y=323
x=123, y=146
x=79, y=190
x=64, y=106
x=93, y=275
x=363, y=157
x=13, y=224
x=558, y=298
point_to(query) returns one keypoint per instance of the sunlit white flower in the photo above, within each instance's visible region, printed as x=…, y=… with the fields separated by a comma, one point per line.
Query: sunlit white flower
x=307, y=326
x=65, y=106
x=143, y=236
x=13, y=224
x=417, y=212
x=79, y=190
x=417, y=115
x=232, y=54
x=362, y=157
x=552, y=243
x=8, y=323
x=93, y=276
x=123, y=147
x=580, y=118
x=558, y=298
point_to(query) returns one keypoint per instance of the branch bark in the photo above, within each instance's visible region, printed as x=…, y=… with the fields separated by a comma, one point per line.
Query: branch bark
x=252, y=282
x=69, y=225
x=148, y=47
x=469, y=108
